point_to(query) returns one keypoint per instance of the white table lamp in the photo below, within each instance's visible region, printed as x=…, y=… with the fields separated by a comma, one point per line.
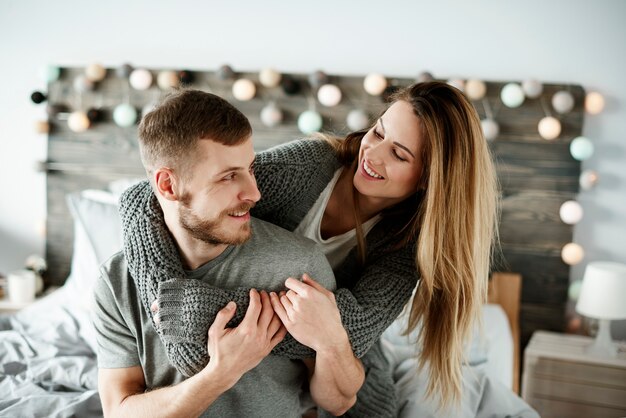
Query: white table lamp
x=603, y=296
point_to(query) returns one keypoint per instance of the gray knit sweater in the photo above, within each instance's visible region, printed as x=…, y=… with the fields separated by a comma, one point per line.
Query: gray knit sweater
x=290, y=178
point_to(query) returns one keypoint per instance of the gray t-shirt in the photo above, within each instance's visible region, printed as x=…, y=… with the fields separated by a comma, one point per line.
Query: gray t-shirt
x=127, y=338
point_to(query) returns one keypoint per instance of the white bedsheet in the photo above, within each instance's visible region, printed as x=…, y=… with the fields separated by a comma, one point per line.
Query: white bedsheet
x=487, y=376
x=47, y=368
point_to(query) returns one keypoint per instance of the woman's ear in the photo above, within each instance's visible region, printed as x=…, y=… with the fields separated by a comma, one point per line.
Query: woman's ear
x=165, y=182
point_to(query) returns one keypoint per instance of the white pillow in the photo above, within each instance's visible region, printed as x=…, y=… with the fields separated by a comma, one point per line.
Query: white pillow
x=117, y=187
x=97, y=236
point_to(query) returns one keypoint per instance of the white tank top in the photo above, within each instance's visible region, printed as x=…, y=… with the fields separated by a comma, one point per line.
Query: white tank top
x=335, y=248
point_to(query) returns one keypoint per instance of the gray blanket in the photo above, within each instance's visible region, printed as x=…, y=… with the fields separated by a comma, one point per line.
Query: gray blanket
x=47, y=367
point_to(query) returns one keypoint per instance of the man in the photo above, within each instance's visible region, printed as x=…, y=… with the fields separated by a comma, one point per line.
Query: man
x=198, y=154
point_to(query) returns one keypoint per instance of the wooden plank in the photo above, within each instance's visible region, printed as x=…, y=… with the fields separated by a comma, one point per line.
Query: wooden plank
x=554, y=408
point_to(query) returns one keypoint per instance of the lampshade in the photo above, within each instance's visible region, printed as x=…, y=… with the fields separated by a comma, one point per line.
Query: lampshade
x=603, y=292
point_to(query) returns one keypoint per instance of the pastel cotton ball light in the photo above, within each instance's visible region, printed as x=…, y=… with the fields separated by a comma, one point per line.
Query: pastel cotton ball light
x=140, y=79
x=563, y=101
x=309, y=121
x=457, y=83
x=357, y=120
x=51, y=73
x=572, y=253
x=594, y=103
x=318, y=78
x=149, y=108
x=269, y=77
x=124, y=115
x=42, y=127
x=271, y=115
x=588, y=179
x=491, y=129
x=532, y=88
x=83, y=84
x=167, y=80
x=581, y=148
x=549, y=128
x=38, y=97
x=571, y=212
x=375, y=84
x=124, y=70
x=423, y=77
x=225, y=72
x=573, y=292
x=78, y=121
x=512, y=95
x=475, y=89
x=329, y=95
x=95, y=72
x=244, y=89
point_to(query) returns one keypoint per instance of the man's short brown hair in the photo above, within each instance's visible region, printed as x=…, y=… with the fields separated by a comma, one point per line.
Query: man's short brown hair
x=168, y=134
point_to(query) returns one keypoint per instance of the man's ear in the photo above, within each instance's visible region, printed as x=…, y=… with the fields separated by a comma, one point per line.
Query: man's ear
x=166, y=184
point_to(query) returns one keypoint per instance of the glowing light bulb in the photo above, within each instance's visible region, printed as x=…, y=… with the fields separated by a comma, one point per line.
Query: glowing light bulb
x=475, y=89
x=309, y=121
x=563, y=101
x=167, y=80
x=588, y=179
x=375, y=84
x=532, y=88
x=95, y=72
x=244, y=89
x=357, y=120
x=271, y=115
x=78, y=121
x=594, y=103
x=572, y=253
x=140, y=79
x=457, y=83
x=512, y=95
x=581, y=148
x=329, y=95
x=491, y=129
x=125, y=115
x=269, y=77
x=571, y=212
x=549, y=128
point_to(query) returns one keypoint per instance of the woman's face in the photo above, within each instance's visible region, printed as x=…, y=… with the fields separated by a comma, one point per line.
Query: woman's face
x=390, y=157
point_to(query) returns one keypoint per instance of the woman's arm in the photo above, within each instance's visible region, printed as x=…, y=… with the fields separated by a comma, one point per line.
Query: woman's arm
x=188, y=307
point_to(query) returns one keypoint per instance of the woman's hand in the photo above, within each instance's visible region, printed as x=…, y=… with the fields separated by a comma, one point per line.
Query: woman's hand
x=310, y=314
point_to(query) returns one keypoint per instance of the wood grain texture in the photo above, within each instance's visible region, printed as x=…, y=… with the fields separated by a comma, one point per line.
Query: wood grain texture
x=536, y=175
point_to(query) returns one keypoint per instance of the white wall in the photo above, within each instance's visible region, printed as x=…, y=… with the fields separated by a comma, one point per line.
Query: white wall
x=571, y=41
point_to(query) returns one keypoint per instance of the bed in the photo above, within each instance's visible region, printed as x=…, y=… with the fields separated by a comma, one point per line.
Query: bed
x=47, y=351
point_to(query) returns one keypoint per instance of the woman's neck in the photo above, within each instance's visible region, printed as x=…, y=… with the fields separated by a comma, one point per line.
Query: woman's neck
x=338, y=215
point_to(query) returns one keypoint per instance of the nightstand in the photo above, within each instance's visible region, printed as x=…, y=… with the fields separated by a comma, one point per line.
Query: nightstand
x=560, y=380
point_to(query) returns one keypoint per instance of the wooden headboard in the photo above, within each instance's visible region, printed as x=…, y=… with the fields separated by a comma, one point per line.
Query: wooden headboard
x=536, y=175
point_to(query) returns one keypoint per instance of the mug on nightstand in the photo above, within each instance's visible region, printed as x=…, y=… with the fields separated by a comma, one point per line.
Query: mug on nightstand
x=22, y=285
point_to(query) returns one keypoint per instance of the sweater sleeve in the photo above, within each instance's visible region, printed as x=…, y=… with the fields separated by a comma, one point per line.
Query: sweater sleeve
x=379, y=295
x=381, y=291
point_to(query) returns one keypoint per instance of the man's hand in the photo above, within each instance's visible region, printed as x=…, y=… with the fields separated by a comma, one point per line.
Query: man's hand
x=234, y=351
x=310, y=314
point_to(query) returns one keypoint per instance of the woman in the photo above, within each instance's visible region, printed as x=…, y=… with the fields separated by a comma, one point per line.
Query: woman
x=413, y=196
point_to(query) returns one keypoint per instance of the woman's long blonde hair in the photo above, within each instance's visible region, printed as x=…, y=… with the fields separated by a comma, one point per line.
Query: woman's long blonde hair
x=455, y=222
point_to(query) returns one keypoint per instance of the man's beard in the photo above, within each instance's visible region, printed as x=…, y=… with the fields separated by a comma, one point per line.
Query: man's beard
x=211, y=231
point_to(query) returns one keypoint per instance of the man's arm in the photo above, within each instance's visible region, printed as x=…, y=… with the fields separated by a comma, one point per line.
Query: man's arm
x=234, y=351
x=123, y=394
x=310, y=314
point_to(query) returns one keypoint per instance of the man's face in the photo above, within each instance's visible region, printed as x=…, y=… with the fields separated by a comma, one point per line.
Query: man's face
x=215, y=204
